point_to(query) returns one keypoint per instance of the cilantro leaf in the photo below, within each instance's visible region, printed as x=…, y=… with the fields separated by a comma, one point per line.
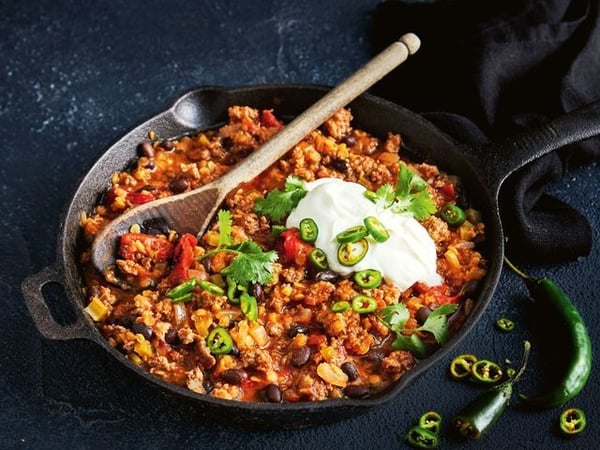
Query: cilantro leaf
x=278, y=204
x=437, y=322
x=225, y=224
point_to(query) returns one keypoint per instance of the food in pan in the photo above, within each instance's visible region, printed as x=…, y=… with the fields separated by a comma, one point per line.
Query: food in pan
x=328, y=276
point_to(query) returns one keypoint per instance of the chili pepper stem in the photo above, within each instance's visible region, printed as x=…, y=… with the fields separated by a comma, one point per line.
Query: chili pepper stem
x=515, y=269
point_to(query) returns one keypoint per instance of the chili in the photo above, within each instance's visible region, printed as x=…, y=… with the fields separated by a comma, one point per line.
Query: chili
x=363, y=304
x=579, y=365
x=368, y=278
x=353, y=234
x=431, y=421
x=249, y=306
x=232, y=290
x=453, y=215
x=212, y=287
x=376, y=229
x=308, y=230
x=318, y=258
x=572, y=421
x=182, y=289
x=419, y=437
x=219, y=341
x=350, y=253
x=340, y=306
x=505, y=325
x=484, y=411
x=460, y=367
x=485, y=371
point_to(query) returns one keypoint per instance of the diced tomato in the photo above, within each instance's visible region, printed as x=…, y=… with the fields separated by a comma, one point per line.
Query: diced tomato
x=449, y=191
x=293, y=248
x=139, y=198
x=183, y=258
x=158, y=248
x=316, y=339
x=268, y=119
x=439, y=294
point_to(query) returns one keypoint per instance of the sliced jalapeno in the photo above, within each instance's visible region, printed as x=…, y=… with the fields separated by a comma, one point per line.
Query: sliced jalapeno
x=376, y=229
x=219, y=341
x=182, y=289
x=249, y=306
x=486, y=371
x=212, y=287
x=182, y=298
x=276, y=230
x=353, y=234
x=431, y=421
x=318, y=258
x=350, y=253
x=368, y=278
x=340, y=306
x=232, y=290
x=453, y=215
x=363, y=304
x=460, y=367
x=308, y=230
x=419, y=437
x=572, y=421
x=505, y=325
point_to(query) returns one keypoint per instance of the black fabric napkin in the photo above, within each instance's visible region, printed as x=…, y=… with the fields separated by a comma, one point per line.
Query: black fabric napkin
x=488, y=69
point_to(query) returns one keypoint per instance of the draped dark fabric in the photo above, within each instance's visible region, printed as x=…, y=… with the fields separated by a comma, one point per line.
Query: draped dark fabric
x=488, y=69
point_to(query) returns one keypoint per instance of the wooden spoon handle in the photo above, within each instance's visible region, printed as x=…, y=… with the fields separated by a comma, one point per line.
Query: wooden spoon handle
x=313, y=117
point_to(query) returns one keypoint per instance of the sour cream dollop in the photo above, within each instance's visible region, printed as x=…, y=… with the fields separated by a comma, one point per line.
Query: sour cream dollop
x=335, y=205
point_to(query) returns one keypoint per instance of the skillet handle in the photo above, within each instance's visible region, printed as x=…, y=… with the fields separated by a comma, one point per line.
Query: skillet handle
x=31, y=288
x=505, y=157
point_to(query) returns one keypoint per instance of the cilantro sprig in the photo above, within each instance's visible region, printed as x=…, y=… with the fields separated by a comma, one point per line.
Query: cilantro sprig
x=408, y=196
x=279, y=204
x=251, y=263
x=395, y=317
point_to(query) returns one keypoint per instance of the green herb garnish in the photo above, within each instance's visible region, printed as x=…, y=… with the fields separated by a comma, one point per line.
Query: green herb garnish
x=408, y=196
x=251, y=263
x=279, y=204
x=395, y=317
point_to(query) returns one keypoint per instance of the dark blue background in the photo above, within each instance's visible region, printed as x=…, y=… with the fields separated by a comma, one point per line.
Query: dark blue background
x=74, y=76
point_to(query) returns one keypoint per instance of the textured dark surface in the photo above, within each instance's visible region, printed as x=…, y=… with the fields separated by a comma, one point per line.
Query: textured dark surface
x=75, y=77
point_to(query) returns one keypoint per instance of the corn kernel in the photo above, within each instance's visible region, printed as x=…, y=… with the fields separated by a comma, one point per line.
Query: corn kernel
x=142, y=346
x=96, y=309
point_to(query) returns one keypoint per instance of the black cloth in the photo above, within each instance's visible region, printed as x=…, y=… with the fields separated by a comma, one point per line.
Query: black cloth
x=488, y=69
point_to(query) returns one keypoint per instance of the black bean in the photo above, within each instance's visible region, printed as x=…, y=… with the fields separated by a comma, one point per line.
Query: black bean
x=167, y=145
x=273, y=393
x=356, y=391
x=234, y=350
x=234, y=376
x=349, y=140
x=295, y=329
x=155, y=225
x=350, y=369
x=374, y=356
x=422, y=314
x=326, y=275
x=146, y=149
x=172, y=338
x=341, y=165
x=257, y=291
x=151, y=165
x=207, y=384
x=300, y=356
x=179, y=185
x=227, y=143
x=141, y=328
x=470, y=289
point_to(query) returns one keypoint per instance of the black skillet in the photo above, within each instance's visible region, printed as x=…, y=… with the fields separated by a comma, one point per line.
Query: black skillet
x=482, y=171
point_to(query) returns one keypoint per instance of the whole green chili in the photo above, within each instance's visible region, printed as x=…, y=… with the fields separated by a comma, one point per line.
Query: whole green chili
x=579, y=365
x=483, y=412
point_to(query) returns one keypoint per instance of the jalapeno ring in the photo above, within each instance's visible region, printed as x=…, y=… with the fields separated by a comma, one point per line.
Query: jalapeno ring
x=460, y=367
x=505, y=325
x=308, y=230
x=350, y=253
x=212, y=287
x=219, y=341
x=486, y=371
x=368, y=278
x=364, y=304
x=453, y=215
x=376, y=229
x=249, y=306
x=182, y=289
x=318, y=258
x=340, y=306
x=572, y=421
x=419, y=437
x=431, y=421
x=353, y=234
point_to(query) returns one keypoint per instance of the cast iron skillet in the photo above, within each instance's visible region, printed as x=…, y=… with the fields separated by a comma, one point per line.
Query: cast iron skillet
x=482, y=170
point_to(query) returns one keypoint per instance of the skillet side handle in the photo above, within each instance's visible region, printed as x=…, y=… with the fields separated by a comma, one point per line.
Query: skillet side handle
x=31, y=287
x=505, y=157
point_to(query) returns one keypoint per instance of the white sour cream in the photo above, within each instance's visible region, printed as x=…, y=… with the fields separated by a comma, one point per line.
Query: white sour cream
x=335, y=205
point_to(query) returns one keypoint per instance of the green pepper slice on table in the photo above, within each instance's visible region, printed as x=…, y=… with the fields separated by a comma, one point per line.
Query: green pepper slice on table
x=422, y=438
x=505, y=325
x=368, y=278
x=219, y=341
x=485, y=371
x=460, y=367
x=308, y=230
x=572, y=421
x=432, y=421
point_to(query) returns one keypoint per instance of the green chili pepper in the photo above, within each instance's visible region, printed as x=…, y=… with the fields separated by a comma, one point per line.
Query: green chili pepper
x=431, y=421
x=376, y=229
x=318, y=258
x=353, y=234
x=308, y=230
x=249, y=306
x=363, y=304
x=578, y=368
x=419, y=437
x=212, y=287
x=340, y=306
x=505, y=325
x=368, y=278
x=572, y=421
x=350, y=253
x=182, y=298
x=481, y=413
x=460, y=367
x=453, y=215
x=232, y=290
x=485, y=371
x=219, y=341
x=182, y=289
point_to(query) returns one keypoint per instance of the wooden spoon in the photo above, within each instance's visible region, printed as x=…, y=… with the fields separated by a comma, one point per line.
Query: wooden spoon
x=192, y=211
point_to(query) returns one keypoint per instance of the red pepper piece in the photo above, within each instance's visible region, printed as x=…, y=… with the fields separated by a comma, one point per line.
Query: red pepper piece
x=183, y=258
x=139, y=198
x=268, y=119
x=293, y=248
